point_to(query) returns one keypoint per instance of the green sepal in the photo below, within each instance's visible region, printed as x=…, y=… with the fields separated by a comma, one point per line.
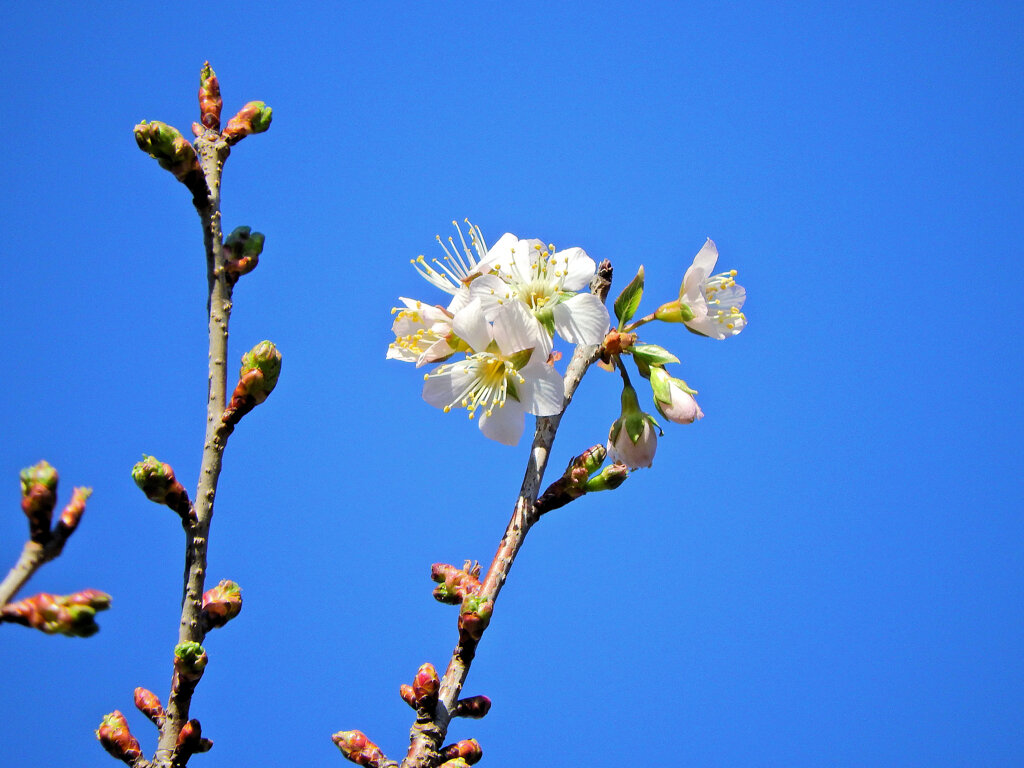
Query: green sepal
x=634, y=427
x=520, y=358
x=546, y=318
x=652, y=354
x=511, y=390
x=643, y=367
x=629, y=300
x=661, y=387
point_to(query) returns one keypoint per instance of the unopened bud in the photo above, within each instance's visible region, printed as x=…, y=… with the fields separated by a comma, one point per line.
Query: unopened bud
x=148, y=703
x=610, y=478
x=467, y=749
x=674, y=312
x=254, y=117
x=156, y=479
x=243, y=251
x=455, y=583
x=72, y=615
x=189, y=660
x=425, y=686
x=115, y=737
x=257, y=378
x=360, y=750
x=222, y=603
x=72, y=513
x=166, y=144
x=190, y=739
x=457, y=762
x=38, y=498
x=407, y=694
x=475, y=616
x=210, y=102
x=473, y=707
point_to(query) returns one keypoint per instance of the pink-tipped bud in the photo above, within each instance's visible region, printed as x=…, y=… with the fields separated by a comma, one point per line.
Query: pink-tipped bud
x=407, y=694
x=474, y=617
x=254, y=117
x=455, y=583
x=115, y=737
x=148, y=703
x=257, y=378
x=468, y=749
x=72, y=513
x=360, y=750
x=473, y=707
x=190, y=660
x=38, y=498
x=222, y=603
x=210, y=102
x=425, y=686
x=190, y=740
x=156, y=479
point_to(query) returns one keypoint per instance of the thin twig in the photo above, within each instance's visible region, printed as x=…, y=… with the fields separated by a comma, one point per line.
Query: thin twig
x=427, y=736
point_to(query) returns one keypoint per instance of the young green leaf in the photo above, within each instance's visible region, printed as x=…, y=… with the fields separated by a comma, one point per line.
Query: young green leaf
x=628, y=301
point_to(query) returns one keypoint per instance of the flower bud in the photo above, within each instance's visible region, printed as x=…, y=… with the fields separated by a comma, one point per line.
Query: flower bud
x=244, y=248
x=425, y=686
x=610, y=478
x=261, y=367
x=115, y=737
x=190, y=740
x=189, y=660
x=148, y=703
x=407, y=694
x=455, y=583
x=210, y=102
x=222, y=603
x=474, y=616
x=473, y=707
x=166, y=144
x=632, y=439
x=254, y=117
x=673, y=398
x=467, y=749
x=360, y=750
x=72, y=513
x=38, y=498
x=156, y=479
x=457, y=762
x=72, y=615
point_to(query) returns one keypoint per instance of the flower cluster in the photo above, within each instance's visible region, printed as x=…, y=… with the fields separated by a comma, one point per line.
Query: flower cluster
x=506, y=304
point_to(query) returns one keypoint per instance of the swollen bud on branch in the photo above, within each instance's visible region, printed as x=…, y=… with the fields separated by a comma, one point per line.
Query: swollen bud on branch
x=244, y=248
x=467, y=749
x=360, y=750
x=425, y=687
x=210, y=102
x=632, y=439
x=148, y=703
x=190, y=740
x=189, y=660
x=257, y=378
x=457, y=762
x=473, y=707
x=73, y=512
x=38, y=498
x=73, y=615
x=574, y=481
x=156, y=479
x=115, y=737
x=455, y=583
x=609, y=478
x=166, y=144
x=254, y=117
x=474, y=617
x=221, y=604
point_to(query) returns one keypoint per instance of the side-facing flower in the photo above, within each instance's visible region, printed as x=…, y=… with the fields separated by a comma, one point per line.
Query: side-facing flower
x=546, y=281
x=673, y=398
x=505, y=373
x=632, y=439
x=453, y=273
x=423, y=334
x=716, y=301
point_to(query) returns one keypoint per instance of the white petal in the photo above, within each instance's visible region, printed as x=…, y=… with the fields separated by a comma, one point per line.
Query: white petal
x=543, y=393
x=471, y=326
x=491, y=291
x=523, y=259
x=583, y=319
x=516, y=329
x=440, y=389
x=436, y=352
x=459, y=300
x=706, y=257
x=705, y=326
x=499, y=254
x=579, y=267
x=505, y=425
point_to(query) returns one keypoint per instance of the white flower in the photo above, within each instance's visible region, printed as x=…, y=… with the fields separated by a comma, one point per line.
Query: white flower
x=673, y=398
x=453, y=272
x=505, y=374
x=423, y=334
x=715, y=301
x=546, y=282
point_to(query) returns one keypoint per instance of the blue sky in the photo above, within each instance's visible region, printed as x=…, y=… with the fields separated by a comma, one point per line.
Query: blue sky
x=826, y=570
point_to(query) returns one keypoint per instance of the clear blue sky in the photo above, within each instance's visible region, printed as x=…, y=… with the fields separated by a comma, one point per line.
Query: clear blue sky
x=826, y=570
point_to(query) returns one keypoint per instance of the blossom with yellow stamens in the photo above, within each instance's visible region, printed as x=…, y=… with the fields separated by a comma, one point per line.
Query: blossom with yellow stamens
x=716, y=301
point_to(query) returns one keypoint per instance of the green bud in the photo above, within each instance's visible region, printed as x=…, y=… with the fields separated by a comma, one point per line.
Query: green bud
x=674, y=312
x=610, y=478
x=39, y=474
x=264, y=358
x=190, y=660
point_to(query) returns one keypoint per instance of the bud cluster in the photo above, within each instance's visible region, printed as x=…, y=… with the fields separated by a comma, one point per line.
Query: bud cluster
x=455, y=584
x=117, y=739
x=257, y=378
x=38, y=498
x=360, y=750
x=156, y=479
x=474, y=616
x=583, y=475
x=72, y=615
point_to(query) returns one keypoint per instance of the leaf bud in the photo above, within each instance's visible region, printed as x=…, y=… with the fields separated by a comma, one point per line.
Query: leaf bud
x=473, y=707
x=115, y=737
x=244, y=248
x=190, y=660
x=258, y=376
x=222, y=603
x=254, y=117
x=148, y=703
x=610, y=478
x=467, y=750
x=72, y=513
x=360, y=750
x=166, y=144
x=38, y=498
x=425, y=686
x=474, y=616
x=210, y=102
x=156, y=479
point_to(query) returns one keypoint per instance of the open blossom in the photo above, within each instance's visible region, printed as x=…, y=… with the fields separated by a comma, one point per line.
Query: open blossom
x=545, y=281
x=505, y=373
x=453, y=272
x=715, y=300
x=423, y=334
